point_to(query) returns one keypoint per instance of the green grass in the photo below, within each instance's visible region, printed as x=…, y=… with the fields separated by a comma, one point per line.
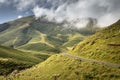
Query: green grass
x=39, y=47
x=11, y=59
x=6, y=67
x=18, y=55
x=97, y=46
x=73, y=40
x=22, y=31
x=68, y=69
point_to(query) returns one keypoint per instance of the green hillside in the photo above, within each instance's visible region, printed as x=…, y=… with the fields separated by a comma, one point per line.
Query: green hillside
x=11, y=59
x=104, y=45
x=59, y=67
x=40, y=47
x=34, y=41
x=26, y=32
x=96, y=58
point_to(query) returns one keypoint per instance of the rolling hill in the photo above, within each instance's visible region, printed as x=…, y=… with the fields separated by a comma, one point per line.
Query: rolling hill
x=28, y=33
x=80, y=64
x=32, y=41
x=104, y=45
x=59, y=67
x=11, y=59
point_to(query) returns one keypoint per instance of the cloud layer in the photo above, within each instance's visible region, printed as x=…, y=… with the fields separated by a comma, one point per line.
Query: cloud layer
x=106, y=12
x=78, y=12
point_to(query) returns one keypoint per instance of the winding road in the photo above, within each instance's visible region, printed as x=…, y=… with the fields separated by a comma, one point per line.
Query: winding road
x=91, y=60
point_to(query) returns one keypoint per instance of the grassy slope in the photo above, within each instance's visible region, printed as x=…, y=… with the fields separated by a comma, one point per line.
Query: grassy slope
x=11, y=59
x=21, y=32
x=73, y=40
x=68, y=69
x=17, y=33
x=98, y=46
x=17, y=55
x=39, y=47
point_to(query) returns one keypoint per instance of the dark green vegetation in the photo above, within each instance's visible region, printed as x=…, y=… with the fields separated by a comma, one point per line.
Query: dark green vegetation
x=104, y=45
x=28, y=33
x=11, y=59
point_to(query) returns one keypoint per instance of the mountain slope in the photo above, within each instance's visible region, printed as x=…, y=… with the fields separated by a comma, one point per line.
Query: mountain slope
x=104, y=45
x=71, y=67
x=59, y=67
x=26, y=32
x=11, y=59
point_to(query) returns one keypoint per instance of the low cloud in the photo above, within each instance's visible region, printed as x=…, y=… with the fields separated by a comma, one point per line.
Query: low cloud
x=2, y=1
x=20, y=16
x=23, y=5
x=106, y=12
x=74, y=12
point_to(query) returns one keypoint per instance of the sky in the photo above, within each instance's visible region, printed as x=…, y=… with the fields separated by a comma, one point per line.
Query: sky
x=75, y=12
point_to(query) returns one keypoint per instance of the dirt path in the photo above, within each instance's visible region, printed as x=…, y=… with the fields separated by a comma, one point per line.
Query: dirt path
x=43, y=40
x=91, y=60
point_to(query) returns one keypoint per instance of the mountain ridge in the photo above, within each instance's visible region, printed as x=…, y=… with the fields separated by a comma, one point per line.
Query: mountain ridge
x=99, y=45
x=20, y=32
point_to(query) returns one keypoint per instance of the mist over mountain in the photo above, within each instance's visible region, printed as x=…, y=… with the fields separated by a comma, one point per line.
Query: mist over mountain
x=105, y=12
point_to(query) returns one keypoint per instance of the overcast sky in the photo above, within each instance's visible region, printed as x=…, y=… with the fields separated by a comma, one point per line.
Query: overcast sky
x=105, y=11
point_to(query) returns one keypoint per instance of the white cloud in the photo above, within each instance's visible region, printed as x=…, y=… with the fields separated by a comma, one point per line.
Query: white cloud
x=20, y=16
x=2, y=1
x=105, y=11
x=107, y=19
x=82, y=9
x=25, y=4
